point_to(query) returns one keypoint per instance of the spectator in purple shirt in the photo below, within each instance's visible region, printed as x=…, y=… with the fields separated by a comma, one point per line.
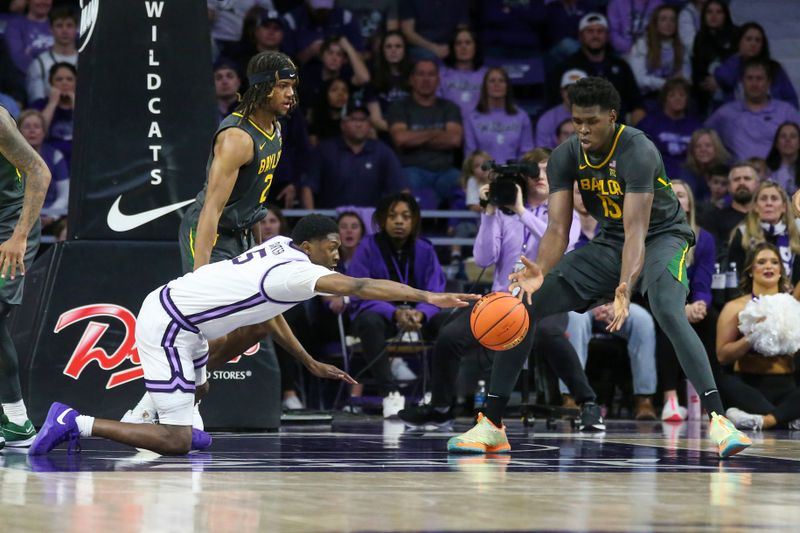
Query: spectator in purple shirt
x=58, y=109
x=627, y=20
x=462, y=74
x=752, y=43
x=712, y=45
x=398, y=253
x=672, y=126
x=549, y=123
x=352, y=169
x=747, y=126
x=497, y=125
x=29, y=36
x=701, y=314
x=54, y=211
x=311, y=24
x=659, y=55
x=430, y=24
x=783, y=159
x=704, y=153
x=389, y=79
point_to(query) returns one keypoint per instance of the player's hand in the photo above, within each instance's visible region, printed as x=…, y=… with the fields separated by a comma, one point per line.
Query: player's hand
x=622, y=302
x=326, y=371
x=446, y=300
x=796, y=202
x=12, y=256
x=526, y=282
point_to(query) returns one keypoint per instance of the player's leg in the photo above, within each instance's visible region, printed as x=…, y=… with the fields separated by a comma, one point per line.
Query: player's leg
x=667, y=298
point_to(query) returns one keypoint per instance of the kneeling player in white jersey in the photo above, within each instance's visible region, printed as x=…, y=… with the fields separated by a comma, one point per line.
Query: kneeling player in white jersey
x=177, y=320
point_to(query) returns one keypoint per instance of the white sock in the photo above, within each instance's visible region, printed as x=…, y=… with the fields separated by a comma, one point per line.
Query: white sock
x=145, y=404
x=16, y=412
x=85, y=425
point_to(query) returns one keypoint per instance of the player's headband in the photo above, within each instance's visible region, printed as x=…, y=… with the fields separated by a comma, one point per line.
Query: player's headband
x=286, y=73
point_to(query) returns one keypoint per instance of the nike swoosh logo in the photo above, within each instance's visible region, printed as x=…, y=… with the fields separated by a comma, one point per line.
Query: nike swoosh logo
x=120, y=222
x=706, y=393
x=60, y=418
x=261, y=147
x=581, y=167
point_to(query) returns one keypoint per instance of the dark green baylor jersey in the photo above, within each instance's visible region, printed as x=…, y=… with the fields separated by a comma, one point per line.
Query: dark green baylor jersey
x=12, y=186
x=633, y=165
x=245, y=206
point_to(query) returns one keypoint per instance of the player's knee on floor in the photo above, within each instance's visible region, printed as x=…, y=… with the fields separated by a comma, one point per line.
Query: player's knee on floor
x=176, y=440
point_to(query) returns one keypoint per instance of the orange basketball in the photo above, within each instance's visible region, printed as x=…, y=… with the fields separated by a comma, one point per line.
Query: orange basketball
x=499, y=321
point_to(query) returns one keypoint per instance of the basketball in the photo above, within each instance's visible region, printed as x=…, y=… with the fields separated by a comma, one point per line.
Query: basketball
x=499, y=321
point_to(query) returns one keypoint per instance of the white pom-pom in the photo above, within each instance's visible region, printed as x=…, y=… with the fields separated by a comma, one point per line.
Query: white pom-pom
x=771, y=324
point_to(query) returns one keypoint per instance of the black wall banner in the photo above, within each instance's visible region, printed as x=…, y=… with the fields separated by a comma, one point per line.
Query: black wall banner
x=75, y=336
x=144, y=116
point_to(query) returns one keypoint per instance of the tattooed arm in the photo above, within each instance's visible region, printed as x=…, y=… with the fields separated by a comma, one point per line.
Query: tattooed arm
x=19, y=153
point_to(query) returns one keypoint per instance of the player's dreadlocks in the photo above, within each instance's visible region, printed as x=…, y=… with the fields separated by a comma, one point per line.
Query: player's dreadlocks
x=264, y=70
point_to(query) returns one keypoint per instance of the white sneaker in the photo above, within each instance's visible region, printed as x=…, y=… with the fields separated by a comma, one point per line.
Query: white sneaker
x=292, y=403
x=743, y=420
x=197, y=420
x=673, y=412
x=400, y=370
x=393, y=404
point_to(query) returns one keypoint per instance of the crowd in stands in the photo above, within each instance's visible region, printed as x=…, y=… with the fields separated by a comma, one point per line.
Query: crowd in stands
x=402, y=101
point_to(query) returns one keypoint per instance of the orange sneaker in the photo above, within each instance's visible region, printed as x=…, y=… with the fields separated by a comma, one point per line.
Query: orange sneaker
x=484, y=437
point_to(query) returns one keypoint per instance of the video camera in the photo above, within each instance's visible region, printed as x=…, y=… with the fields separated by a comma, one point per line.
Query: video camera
x=503, y=189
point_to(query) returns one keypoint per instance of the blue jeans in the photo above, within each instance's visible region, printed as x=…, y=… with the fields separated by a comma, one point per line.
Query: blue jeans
x=640, y=332
x=442, y=182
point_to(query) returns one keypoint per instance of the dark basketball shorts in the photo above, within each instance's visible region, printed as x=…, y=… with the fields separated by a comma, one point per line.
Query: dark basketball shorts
x=226, y=245
x=11, y=290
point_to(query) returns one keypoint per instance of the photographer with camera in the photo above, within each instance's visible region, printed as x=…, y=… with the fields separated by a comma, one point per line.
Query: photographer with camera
x=513, y=221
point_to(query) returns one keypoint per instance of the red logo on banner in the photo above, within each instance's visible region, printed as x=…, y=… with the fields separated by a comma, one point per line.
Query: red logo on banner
x=87, y=350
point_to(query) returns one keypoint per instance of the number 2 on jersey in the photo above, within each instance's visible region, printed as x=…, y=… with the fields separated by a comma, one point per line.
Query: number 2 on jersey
x=611, y=209
x=268, y=182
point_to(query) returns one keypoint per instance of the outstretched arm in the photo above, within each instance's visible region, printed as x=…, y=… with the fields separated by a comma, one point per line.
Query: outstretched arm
x=383, y=289
x=19, y=153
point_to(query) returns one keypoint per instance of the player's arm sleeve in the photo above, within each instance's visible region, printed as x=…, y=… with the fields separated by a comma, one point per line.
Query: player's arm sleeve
x=641, y=163
x=562, y=168
x=293, y=281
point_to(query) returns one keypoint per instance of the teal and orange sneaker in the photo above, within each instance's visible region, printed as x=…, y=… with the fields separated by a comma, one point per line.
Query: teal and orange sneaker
x=484, y=437
x=15, y=435
x=729, y=439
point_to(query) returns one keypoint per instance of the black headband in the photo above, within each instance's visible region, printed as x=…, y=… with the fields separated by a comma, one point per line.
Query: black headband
x=286, y=73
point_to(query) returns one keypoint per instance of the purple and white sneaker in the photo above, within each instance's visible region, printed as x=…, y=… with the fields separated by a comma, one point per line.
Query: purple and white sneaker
x=59, y=426
x=200, y=439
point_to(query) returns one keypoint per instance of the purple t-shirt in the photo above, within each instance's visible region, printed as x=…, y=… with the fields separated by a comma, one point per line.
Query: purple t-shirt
x=26, y=40
x=748, y=133
x=671, y=137
x=547, y=125
x=502, y=135
x=627, y=21
x=462, y=87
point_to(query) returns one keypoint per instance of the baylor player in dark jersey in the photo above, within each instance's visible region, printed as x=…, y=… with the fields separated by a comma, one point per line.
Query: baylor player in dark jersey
x=24, y=178
x=643, y=230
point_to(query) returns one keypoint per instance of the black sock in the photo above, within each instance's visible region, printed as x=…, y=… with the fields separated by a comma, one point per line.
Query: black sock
x=712, y=402
x=495, y=406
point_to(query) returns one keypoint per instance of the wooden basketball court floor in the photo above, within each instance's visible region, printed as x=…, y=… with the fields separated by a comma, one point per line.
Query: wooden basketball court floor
x=370, y=475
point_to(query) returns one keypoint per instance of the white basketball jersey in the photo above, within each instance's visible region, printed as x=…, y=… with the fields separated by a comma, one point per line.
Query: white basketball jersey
x=258, y=285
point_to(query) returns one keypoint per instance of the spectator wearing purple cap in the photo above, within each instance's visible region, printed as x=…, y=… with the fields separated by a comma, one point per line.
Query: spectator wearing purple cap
x=713, y=44
x=351, y=168
x=549, y=123
x=310, y=25
x=783, y=159
x=227, y=82
x=671, y=127
x=659, y=55
x=597, y=59
x=430, y=24
x=463, y=72
x=29, y=36
x=227, y=22
x=497, y=125
x=747, y=127
x=627, y=21
x=426, y=130
x=389, y=79
x=752, y=43
x=338, y=60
